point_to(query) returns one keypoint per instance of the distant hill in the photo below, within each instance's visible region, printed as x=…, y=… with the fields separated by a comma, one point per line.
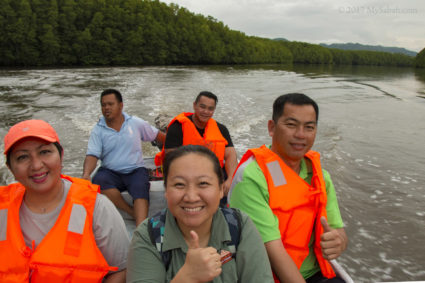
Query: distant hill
x=358, y=46
x=280, y=39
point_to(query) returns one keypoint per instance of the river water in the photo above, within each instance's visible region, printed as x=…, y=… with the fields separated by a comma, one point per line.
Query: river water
x=371, y=136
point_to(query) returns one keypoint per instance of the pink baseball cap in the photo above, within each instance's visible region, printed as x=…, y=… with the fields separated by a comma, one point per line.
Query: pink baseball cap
x=29, y=128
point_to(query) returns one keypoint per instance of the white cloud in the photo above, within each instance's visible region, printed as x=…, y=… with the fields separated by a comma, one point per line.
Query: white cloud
x=398, y=23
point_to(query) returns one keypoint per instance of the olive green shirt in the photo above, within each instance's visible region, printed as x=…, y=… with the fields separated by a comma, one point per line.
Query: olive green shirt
x=251, y=264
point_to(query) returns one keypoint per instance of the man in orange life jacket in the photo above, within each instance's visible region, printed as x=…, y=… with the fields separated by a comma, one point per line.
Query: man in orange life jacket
x=290, y=198
x=200, y=128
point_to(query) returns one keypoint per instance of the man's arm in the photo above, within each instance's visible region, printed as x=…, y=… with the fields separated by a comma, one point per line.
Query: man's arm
x=230, y=158
x=160, y=137
x=159, y=140
x=90, y=163
x=94, y=149
x=282, y=264
x=174, y=137
x=231, y=162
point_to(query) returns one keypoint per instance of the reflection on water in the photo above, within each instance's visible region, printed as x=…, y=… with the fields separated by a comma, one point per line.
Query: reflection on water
x=420, y=76
x=371, y=135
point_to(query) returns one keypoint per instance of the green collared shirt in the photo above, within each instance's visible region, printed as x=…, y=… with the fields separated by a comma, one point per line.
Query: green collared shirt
x=250, y=193
x=251, y=263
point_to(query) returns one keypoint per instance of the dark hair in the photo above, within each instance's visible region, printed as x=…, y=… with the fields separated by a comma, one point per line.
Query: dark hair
x=292, y=98
x=187, y=149
x=207, y=94
x=56, y=144
x=117, y=94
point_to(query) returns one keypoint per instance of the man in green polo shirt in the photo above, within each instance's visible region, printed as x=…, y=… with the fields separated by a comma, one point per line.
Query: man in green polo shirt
x=273, y=185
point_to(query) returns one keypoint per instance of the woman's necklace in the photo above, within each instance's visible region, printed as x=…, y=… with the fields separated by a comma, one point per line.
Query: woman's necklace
x=47, y=207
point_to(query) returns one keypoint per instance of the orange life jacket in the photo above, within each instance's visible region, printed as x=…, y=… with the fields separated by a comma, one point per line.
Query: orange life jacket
x=297, y=204
x=212, y=139
x=68, y=252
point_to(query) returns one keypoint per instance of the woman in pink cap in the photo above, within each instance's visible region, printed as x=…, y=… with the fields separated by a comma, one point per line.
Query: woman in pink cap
x=55, y=228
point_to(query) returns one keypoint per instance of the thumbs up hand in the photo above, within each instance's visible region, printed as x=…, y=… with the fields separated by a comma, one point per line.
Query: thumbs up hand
x=331, y=241
x=194, y=240
x=202, y=264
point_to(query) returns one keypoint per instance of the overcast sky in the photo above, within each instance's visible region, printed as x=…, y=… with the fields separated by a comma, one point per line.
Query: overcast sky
x=399, y=23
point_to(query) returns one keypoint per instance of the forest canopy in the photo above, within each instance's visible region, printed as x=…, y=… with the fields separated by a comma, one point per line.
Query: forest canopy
x=420, y=59
x=147, y=32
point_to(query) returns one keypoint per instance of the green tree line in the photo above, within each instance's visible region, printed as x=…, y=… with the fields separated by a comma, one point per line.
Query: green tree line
x=420, y=59
x=146, y=32
x=315, y=54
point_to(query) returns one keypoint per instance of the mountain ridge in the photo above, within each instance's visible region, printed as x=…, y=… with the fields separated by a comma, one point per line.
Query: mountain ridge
x=358, y=46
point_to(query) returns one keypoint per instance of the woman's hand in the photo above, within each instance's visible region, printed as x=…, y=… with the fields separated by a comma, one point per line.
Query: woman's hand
x=201, y=265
